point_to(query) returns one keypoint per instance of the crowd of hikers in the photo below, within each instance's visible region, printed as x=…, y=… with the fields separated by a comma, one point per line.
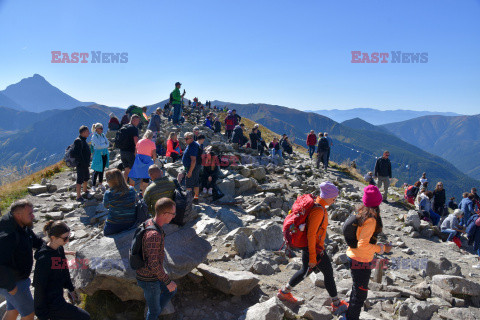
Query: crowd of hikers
x=139, y=196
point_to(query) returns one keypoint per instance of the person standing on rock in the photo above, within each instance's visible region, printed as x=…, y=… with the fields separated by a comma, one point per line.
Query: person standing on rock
x=330, y=145
x=155, y=123
x=81, y=151
x=192, y=168
x=157, y=287
x=146, y=154
x=100, y=159
x=314, y=257
x=439, y=199
x=217, y=125
x=383, y=172
x=322, y=151
x=311, y=143
x=51, y=277
x=369, y=226
x=16, y=259
x=176, y=101
x=230, y=123
x=128, y=136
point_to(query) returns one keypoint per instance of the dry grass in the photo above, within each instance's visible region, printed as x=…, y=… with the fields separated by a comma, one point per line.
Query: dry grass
x=18, y=189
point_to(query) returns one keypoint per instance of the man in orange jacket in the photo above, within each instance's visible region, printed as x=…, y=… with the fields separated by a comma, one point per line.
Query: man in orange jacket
x=313, y=256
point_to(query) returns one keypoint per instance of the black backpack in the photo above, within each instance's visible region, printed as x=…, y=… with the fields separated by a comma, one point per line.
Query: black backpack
x=135, y=255
x=323, y=144
x=183, y=204
x=121, y=138
x=350, y=227
x=69, y=157
x=170, y=101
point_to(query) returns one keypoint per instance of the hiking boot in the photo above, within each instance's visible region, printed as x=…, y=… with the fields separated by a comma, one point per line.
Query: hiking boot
x=286, y=296
x=195, y=200
x=340, y=308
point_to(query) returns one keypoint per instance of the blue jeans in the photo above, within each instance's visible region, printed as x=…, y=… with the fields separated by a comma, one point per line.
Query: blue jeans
x=434, y=217
x=311, y=151
x=156, y=295
x=114, y=228
x=176, y=113
x=22, y=301
x=279, y=152
x=451, y=233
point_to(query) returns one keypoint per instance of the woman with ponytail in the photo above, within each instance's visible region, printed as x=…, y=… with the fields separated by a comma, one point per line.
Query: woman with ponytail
x=51, y=277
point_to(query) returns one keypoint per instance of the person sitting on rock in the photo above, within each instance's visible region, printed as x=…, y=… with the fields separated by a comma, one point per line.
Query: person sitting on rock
x=51, y=277
x=209, y=121
x=173, y=147
x=425, y=208
x=146, y=156
x=369, y=178
x=113, y=123
x=210, y=172
x=411, y=192
x=161, y=187
x=101, y=156
x=196, y=133
x=314, y=257
x=120, y=201
x=473, y=235
x=451, y=225
x=157, y=287
x=369, y=226
x=217, y=125
x=238, y=136
x=274, y=147
x=452, y=204
x=287, y=146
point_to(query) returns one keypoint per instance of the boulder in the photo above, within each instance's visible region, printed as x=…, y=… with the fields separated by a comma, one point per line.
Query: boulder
x=272, y=309
x=444, y=266
x=269, y=237
x=227, y=187
x=456, y=285
x=54, y=215
x=416, y=310
x=36, y=189
x=237, y=283
x=412, y=219
x=242, y=245
x=243, y=185
x=108, y=268
x=259, y=173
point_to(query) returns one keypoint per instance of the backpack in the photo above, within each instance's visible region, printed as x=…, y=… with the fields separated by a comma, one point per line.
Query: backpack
x=350, y=227
x=294, y=225
x=170, y=100
x=141, y=211
x=121, y=141
x=323, y=144
x=183, y=204
x=135, y=255
x=69, y=157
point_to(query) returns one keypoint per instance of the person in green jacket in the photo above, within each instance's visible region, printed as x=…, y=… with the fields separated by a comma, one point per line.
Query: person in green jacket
x=133, y=109
x=176, y=101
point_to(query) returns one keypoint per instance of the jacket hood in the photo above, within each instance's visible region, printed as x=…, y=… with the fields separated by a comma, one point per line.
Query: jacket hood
x=45, y=251
x=7, y=224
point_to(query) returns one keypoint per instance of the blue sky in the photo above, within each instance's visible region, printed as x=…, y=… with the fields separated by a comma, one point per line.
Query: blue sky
x=291, y=53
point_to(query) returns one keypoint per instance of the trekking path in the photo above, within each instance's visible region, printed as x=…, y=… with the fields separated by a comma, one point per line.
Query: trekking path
x=226, y=259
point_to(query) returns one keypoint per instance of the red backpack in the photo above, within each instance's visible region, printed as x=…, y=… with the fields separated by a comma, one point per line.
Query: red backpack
x=294, y=225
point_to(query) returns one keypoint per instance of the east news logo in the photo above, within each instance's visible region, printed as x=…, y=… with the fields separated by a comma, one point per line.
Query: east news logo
x=95, y=57
x=394, y=56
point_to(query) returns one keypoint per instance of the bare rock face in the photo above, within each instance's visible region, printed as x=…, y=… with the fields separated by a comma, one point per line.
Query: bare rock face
x=271, y=309
x=105, y=262
x=237, y=283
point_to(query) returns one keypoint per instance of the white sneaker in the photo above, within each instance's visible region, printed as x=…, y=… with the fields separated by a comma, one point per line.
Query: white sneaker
x=210, y=191
x=204, y=190
x=476, y=266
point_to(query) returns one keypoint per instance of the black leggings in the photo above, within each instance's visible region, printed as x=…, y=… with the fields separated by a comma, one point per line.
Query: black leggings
x=323, y=264
x=100, y=174
x=67, y=311
x=360, y=276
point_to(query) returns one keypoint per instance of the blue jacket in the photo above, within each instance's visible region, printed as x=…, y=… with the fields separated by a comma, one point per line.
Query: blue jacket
x=473, y=232
x=466, y=205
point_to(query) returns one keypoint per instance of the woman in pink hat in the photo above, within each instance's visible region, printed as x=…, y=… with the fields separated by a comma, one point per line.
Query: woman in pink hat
x=363, y=246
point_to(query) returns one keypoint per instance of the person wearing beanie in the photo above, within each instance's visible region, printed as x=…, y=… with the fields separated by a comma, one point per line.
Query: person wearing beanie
x=314, y=257
x=369, y=226
x=113, y=123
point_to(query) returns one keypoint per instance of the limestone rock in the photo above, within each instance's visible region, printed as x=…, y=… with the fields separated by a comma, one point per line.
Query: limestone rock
x=237, y=283
x=36, y=189
x=456, y=285
x=271, y=309
x=412, y=219
x=444, y=266
x=416, y=310
x=269, y=237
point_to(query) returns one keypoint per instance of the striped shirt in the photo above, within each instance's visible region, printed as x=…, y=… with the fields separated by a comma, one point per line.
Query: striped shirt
x=121, y=207
x=160, y=188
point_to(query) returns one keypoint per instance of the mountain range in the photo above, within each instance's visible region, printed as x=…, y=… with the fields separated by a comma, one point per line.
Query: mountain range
x=41, y=138
x=377, y=117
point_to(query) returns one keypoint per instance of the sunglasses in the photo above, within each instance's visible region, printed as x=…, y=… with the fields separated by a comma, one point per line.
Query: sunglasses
x=65, y=239
x=172, y=213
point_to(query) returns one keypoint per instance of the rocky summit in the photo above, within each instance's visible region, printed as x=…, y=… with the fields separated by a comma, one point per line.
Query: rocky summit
x=227, y=259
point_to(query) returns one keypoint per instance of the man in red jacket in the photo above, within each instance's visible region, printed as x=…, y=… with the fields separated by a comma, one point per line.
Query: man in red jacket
x=311, y=143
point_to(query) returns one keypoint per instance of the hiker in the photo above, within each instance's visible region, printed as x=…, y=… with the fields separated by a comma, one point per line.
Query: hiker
x=237, y=117
x=360, y=257
x=210, y=172
x=411, y=192
x=217, y=125
x=82, y=154
x=230, y=123
x=451, y=225
x=476, y=198
x=274, y=147
x=473, y=235
x=238, y=136
x=287, y=146
x=120, y=201
x=423, y=179
x=209, y=121
x=133, y=109
x=125, y=119
x=128, y=138
x=52, y=276
x=113, y=123
x=452, y=204
x=146, y=151
x=161, y=187
x=439, y=199
x=157, y=287
x=261, y=144
x=314, y=257
x=254, y=139
x=419, y=197
x=369, y=178
x=173, y=147
x=192, y=168
x=280, y=142
x=425, y=208
x=176, y=102
x=383, y=173
x=322, y=151
x=101, y=156
x=166, y=111
x=196, y=133
x=466, y=205
x=16, y=259
x=311, y=143
x=155, y=123
x=330, y=145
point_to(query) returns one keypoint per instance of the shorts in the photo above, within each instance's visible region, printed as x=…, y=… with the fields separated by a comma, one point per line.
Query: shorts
x=128, y=158
x=22, y=301
x=194, y=180
x=146, y=180
x=83, y=174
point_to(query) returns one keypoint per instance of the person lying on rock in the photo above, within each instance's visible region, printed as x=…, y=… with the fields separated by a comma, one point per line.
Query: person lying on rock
x=314, y=257
x=52, y=276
